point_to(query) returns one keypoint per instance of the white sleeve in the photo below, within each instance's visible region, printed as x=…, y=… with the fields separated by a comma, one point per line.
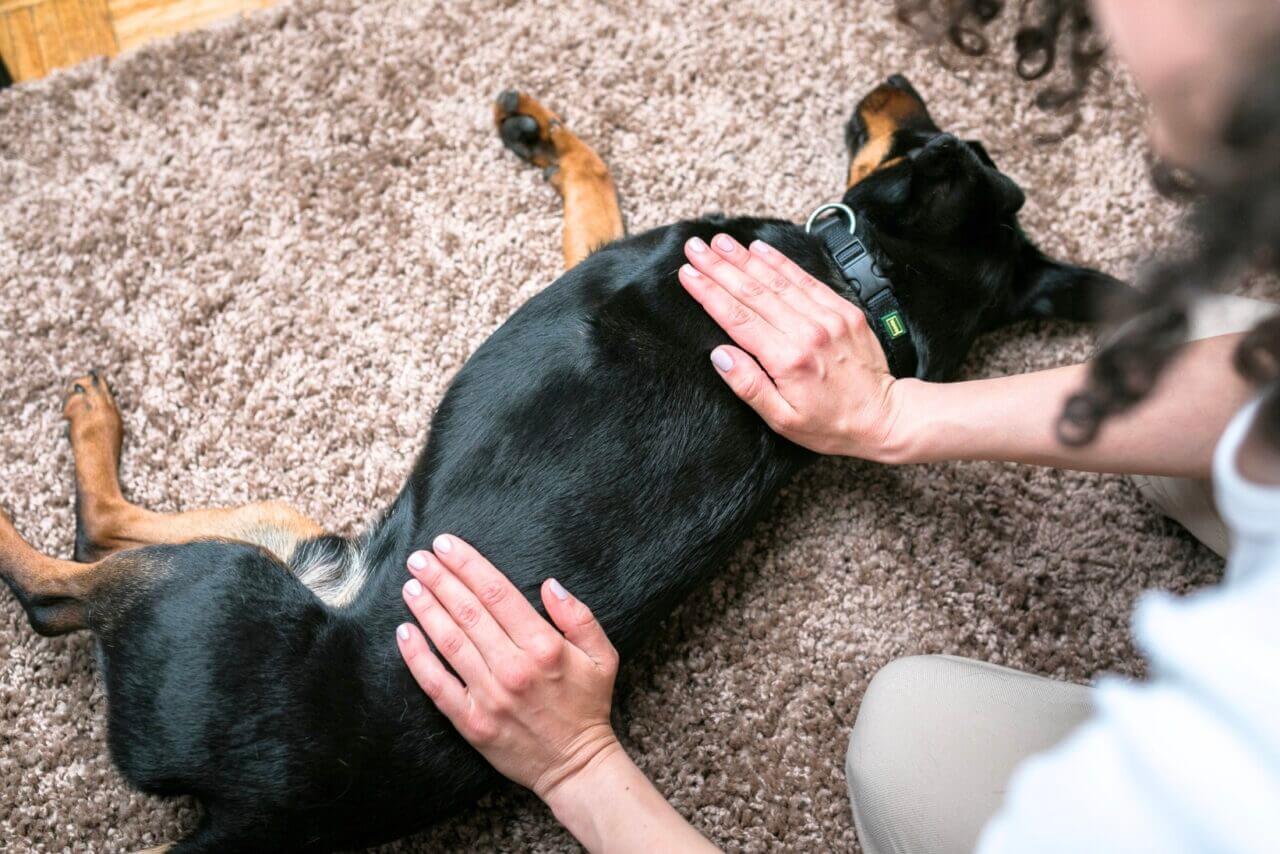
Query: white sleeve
x=1187, y=761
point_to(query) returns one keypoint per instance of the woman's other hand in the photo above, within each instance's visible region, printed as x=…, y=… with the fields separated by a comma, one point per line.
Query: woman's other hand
x=533, y=701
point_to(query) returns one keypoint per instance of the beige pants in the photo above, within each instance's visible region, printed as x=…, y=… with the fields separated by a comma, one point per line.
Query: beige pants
x=937, y=737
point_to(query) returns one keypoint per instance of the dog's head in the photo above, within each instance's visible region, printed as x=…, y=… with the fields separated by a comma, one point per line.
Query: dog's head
x=944, y=217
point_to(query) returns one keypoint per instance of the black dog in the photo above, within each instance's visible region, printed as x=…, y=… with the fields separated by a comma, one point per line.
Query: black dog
x=250, y=659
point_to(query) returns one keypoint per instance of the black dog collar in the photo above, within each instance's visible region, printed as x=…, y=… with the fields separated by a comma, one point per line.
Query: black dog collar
x=872, y=288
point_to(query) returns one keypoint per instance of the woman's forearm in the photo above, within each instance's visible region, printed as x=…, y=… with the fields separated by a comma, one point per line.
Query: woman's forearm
x=610, y=806
x=1014, y=418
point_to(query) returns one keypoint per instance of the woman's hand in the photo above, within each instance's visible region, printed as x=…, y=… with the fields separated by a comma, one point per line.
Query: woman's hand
x=534, y=702
x=808, y=363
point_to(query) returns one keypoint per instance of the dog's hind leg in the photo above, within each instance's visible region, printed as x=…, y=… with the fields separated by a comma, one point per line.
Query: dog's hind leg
x=55, y=593
x=107, y=523
x=535, y=134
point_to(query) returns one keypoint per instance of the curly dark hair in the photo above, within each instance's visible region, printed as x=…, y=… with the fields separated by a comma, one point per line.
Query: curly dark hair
x=1236, y=216
x=1236, y=222
x=1046, y=30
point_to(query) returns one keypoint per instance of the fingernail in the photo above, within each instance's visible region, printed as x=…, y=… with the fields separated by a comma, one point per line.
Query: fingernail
x=442, y=544
x=761, y=247
x=721, y=359
x=691, y=271
x=558, y=590
x=402, y=632
x=697, y=245
x=418, y=561
x=726, y=243
x=413, y=588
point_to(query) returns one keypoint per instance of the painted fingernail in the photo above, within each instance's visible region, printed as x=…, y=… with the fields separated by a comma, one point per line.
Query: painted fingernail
x=726, y=243
x=442, y=544
x=761, y=247
x=558, y=589
x=402, y=631
x=697, y=245
x=721, y=359
x=691, y=271
x=418, y=561
x=413, y=588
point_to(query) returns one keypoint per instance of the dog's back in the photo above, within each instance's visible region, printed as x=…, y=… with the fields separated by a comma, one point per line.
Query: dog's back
x=586, y=439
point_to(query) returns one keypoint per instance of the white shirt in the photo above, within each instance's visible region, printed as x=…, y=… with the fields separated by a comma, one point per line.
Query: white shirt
x=1190, y=759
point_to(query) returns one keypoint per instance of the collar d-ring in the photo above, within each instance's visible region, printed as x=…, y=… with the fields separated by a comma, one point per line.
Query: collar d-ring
x=832, y=206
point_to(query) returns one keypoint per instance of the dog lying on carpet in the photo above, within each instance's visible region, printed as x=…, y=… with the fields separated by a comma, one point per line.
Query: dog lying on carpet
x=249, y=657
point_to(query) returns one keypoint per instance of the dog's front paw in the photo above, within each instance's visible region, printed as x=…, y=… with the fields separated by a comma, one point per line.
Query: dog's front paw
x=528, y=129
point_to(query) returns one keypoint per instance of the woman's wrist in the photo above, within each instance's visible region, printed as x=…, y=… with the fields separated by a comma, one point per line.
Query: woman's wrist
x=908, y=437
x=578, y=799
x=609, y=805
x=594, y=749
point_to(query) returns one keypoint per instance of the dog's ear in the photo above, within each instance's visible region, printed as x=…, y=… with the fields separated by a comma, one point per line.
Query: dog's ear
x=981, y=150
x=1052, y=289
x=1009, y=196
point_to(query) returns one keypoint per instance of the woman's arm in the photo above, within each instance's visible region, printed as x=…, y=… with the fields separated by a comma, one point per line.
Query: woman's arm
x=533, y=701
x=1172, y=432
x=810, y=366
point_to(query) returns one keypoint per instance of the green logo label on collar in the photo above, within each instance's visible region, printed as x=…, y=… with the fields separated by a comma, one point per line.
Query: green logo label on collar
x=894, y=325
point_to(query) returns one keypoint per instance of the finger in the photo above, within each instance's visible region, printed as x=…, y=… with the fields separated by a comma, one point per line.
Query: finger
x=577, y=622
x=451, y=641
x=495, y=591
x=741, y=324
x=809, y=297
x=773, y=280
x=797, y=277
x=444, y=689
x=749, y=381
x=816, y=308
x=468, y=613
x=741, y=286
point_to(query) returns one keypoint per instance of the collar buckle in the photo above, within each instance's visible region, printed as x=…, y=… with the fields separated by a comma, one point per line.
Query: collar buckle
x=872, y=289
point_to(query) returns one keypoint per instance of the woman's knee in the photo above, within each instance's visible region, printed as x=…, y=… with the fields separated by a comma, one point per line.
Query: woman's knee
x=886, y=763
x=935, y=741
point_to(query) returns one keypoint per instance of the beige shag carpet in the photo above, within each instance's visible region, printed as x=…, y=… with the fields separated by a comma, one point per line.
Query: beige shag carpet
x=281, y=238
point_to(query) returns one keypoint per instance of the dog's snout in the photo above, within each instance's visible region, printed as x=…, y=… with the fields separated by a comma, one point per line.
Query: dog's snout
x=942, y=143
x=937, y=156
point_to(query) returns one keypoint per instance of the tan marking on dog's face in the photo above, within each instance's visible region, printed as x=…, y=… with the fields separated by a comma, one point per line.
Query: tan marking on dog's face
x=884, y=111
x=868, y=158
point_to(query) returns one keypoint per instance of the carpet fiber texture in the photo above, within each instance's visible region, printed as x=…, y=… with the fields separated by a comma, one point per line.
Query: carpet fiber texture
x=282, y=237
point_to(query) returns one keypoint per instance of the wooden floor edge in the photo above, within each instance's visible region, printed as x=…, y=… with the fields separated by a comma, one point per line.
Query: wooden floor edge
x=38, y=37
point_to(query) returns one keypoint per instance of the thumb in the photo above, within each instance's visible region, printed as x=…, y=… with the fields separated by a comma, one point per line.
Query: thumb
x=575, y=620
x=750, y=382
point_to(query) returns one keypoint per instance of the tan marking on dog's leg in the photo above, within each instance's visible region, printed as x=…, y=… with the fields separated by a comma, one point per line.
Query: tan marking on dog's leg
x=37, y=573
x=112, y=524
x=274, y=525
x=96, y=437
x=592, y=216
x=55, y=592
